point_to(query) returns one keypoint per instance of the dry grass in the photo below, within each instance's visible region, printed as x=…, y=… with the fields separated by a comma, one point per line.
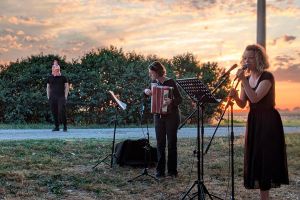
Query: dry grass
x=62, y=169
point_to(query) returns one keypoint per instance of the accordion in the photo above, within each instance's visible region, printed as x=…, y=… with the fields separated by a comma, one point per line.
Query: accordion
x=158, y=98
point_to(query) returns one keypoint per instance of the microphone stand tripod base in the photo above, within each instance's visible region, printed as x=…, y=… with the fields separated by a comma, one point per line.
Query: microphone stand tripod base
x=144, y=173
x=145, y=170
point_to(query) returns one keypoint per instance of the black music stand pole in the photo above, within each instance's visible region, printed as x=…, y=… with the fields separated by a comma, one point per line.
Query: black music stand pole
x=200, y=94
x=118, y=104
x=112, y=155
x=146, y=148
x=202, y=190
x=229, y=103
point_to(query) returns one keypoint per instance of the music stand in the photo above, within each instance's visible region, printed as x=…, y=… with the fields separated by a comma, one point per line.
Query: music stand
x=199, y=93
x=117, y=104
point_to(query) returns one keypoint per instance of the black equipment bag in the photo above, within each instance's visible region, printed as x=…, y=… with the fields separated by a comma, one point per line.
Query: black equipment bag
x=132, y=152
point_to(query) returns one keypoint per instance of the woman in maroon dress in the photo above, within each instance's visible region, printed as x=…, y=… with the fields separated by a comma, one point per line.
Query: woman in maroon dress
x=265, y=163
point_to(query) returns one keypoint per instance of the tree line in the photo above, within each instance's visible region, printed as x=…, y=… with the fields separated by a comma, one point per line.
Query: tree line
x=23, y=96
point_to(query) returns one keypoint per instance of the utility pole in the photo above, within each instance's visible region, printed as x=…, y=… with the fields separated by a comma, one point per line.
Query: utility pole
x=261, y=23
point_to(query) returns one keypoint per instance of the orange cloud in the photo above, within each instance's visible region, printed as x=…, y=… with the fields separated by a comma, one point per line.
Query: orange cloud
x=292, y=73
x=20, y=32
x=2, y=50
x=288, y=10
x=27, y=21
x=284, y=38
x=9, y=41
x=41, y=38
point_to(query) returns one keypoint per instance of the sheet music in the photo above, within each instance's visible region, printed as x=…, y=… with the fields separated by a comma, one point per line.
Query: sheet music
x=120, y=103
x=196, y=90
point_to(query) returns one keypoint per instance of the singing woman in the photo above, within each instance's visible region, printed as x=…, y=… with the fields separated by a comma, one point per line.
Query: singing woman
x=265, y=162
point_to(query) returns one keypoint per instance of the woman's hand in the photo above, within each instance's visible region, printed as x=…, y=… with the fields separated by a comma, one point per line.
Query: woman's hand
x=148, y=92
x=167, y=101
x=233, y=93
x=240, y=74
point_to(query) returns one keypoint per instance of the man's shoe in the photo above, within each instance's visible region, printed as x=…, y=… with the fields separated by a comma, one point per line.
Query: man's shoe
x=55, y=129
x=160, y=175
x=173, y=174
x=65, y=129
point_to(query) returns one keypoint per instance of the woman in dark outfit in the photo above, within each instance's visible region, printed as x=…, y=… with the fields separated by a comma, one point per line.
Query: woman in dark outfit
x=166, y=125
x=265, y=163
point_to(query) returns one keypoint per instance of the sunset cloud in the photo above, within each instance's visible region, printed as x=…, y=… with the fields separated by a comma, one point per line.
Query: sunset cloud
x=9, y=42
x=3, y=49
x=40, y=38
x=29, y=21
x=284, y=60
x=284, y=38
x=20, y=32
x=288, y=9
x=167, y=28
x=288, y=38
x=292, y=73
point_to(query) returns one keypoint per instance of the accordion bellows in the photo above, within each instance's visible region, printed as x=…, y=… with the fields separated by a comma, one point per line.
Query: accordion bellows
x=158, y=98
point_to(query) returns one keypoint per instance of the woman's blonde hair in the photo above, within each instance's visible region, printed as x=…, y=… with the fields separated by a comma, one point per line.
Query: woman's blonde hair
x=261, y=57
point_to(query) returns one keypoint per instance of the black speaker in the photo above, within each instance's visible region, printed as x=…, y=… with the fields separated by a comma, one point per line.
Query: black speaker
x=132, y=152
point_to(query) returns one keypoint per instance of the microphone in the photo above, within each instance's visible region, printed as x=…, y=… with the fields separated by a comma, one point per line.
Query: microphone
x=245, y=66
x=229, y=70
x=143, y=108
x=143, y=101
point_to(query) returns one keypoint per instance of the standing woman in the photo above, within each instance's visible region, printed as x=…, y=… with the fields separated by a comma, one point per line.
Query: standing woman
x=265, y=162
x=166, y=125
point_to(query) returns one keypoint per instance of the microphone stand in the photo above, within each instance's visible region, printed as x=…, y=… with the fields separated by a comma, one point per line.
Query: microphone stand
x=146, y=147
x=245, y=66
x=229, y=103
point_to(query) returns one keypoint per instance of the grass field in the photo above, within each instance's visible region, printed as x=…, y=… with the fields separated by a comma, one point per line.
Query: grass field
x=62, y=169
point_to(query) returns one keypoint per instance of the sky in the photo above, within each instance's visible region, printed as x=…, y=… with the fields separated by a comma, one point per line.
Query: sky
x=213, y=30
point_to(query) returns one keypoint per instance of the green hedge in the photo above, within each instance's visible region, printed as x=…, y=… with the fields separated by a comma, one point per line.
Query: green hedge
x=23, y=85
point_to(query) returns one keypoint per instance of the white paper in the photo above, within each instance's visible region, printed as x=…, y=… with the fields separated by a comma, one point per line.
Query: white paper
x=120, y=103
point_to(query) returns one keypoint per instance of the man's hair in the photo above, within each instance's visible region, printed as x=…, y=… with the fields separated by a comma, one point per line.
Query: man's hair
x=158, y=68
x=261, y=57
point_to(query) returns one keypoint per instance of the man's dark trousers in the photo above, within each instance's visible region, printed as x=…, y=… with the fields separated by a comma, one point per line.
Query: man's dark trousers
x=58, y=109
